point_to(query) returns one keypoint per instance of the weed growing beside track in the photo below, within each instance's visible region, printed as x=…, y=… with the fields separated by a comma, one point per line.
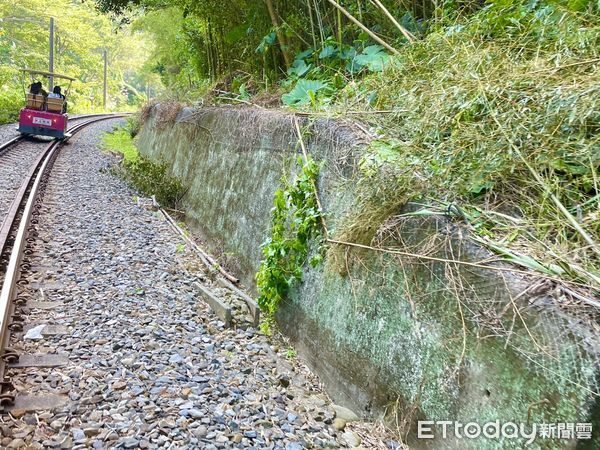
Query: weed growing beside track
x=144, y=175
x=120, y=141
x=296, y=223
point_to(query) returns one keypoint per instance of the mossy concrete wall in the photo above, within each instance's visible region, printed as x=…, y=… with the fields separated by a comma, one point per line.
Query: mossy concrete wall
x=390, y=335
x=231, y=162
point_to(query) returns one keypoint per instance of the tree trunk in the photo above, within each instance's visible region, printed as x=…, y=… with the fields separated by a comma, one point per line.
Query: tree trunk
x=280, y=37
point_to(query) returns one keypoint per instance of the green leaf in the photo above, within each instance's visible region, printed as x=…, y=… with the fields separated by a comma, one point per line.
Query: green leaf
x=328, y=52
x=479, y=186
x=305, y=54
x=244, y=94
x=570, y=167
x=266, y=42
x=303, y=91
x=373, y=57
x=294, y=224
x=348, y=53
x=299, y=68
x=316, y=260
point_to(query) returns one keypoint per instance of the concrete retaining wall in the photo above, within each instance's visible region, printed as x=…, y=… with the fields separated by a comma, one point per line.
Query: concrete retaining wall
x=390, y=335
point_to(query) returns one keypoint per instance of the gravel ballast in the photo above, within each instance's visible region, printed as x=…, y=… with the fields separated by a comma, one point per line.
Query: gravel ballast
x=149, y=365
x=16, y=161
x=8, y=131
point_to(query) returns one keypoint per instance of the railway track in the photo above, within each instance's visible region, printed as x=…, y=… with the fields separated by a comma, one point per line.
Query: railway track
x=16, y=155
x=14, y=231
x=115, y=347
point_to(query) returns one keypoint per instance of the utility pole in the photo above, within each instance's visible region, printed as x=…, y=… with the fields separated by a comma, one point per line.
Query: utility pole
x=51, y=65
x=105, y=81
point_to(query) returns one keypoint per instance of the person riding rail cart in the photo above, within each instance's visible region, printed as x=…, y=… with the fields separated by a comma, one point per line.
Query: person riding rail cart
x=44, y=114
x=56, y=93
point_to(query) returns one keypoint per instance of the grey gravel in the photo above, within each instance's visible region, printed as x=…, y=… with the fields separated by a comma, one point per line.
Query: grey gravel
x=8, y=131
x=150, y=365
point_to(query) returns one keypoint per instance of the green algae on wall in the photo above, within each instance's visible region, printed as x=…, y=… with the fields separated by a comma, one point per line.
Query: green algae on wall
x=231, y=161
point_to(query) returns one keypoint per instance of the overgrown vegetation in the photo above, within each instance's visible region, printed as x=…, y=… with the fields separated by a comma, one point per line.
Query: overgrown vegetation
x=295, y=226
x=487, y=111
x=238, y=49
x=143, y=174
x=153, y=179
x=501, y=116
x=11, y=100
x=315, y=52
x=120, y=140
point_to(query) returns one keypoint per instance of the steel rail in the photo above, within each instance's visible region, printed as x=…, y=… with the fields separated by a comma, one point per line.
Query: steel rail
x=9, y=144
x=7, y=223
x=17, y=223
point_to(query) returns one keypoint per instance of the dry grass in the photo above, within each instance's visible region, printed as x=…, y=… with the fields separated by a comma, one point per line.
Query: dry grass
x=146, y=111
x=167, y=114
x=495, y=132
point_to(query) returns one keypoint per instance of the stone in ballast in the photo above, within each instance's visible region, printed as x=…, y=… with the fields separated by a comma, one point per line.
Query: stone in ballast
x=345, y=413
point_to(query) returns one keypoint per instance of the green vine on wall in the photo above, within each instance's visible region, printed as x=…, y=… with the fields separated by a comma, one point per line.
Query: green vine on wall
x=296, y=222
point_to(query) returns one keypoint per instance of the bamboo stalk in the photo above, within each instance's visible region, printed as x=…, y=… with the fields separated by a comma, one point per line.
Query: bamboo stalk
x=319, y=22
x=312, y=24
x=407, y=34
x=339, y=28
x=333, y=113
x=578, y=63
x=364, y=28
x=515, y=255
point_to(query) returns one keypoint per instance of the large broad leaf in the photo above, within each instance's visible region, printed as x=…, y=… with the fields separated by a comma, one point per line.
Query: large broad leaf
x=348, y=53
x=374, y=57
x=328, y=51
x=303, y=92
x=305, y=54
x=299, y=68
